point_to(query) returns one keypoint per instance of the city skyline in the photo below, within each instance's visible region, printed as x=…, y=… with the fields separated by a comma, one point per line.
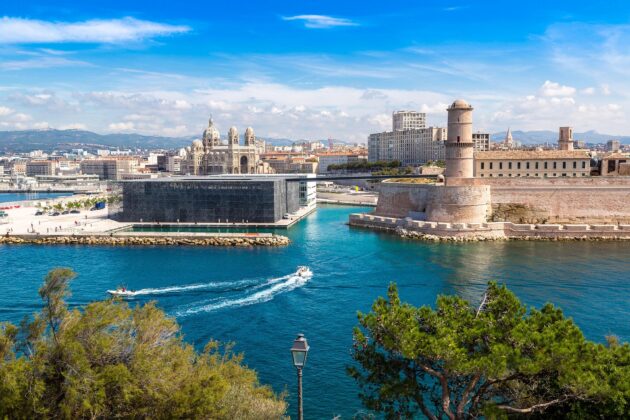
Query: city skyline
x=311, y=70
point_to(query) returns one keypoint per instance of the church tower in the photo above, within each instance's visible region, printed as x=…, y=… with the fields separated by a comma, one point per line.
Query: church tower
x=565, y=140
x=509, y=141
x=233, y=137
x=250, y=137
x=459, y=142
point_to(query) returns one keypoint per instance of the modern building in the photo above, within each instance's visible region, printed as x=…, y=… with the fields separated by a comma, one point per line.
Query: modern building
x=210, y=199
x=109, y=169
x=481, y=141
x=210, y=156
x=40, y=167
x=408, y=120
x=169, y=163
x=613, y=145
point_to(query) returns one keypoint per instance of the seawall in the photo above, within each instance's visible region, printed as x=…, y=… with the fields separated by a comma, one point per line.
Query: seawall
x=128, y=238
x=437, y=231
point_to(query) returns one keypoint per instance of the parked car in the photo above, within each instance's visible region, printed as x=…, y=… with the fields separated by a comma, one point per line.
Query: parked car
x=39, y=213
x=55, y=213
x=74, y=211
x=65, y=212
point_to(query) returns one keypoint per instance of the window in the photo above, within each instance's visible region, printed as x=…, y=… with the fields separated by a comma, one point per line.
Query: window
x=490, y=165
x=527, y=165
x=564, y=165
x=482, y=165
x=510, y=165
x=536, y=166
x=574, y=165
x=545, y=165
x=518, y=165
x=583, y=165
x=555, y=165
x=564, y=174
x=500, y=165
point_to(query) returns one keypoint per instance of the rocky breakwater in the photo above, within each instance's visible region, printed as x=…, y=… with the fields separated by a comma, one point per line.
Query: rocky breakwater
x=226, y=241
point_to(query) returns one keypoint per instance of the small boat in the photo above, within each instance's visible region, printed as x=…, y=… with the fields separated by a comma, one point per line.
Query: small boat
x=304, y=271
x=121, y=291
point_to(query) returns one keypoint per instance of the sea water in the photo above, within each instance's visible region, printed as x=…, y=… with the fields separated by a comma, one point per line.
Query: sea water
x=249, y=295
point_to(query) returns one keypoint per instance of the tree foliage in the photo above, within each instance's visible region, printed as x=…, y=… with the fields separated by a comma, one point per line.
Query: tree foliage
x=363, y=165
x=457, y=362
x=110, y=360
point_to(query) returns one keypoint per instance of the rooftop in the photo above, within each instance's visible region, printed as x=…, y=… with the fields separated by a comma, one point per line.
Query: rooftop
x=533, y=154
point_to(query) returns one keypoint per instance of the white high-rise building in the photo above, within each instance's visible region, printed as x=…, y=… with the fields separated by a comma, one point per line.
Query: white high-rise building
x=408, y=120
x=410, y=147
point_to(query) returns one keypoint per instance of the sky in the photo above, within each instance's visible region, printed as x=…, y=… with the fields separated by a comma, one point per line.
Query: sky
x=312, y=69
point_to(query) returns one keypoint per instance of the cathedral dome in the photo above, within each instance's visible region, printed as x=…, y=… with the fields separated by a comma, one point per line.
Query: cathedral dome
x=197, y=145
x=249, y=131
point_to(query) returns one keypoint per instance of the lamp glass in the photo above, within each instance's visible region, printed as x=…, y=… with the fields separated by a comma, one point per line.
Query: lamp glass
x=299, y=358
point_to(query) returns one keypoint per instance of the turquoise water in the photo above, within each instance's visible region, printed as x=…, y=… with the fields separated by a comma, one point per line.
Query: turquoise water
x=10, y=197
x=241, y=295
x=206, y=229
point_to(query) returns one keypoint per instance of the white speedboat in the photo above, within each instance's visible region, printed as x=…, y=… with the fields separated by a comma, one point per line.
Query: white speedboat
x=121, y=291
x=304, y=271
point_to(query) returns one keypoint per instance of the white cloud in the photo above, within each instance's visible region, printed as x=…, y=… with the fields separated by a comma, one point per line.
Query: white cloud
x=73, y=126
x=321, y=21
x=588, y=91
x=29, y=31
x=41, y=63
x=4, y=111
x=43, y=125
x=550, y=88
x=121, y=126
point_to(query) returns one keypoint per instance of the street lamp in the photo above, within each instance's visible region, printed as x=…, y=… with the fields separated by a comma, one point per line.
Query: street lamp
x=299, y=352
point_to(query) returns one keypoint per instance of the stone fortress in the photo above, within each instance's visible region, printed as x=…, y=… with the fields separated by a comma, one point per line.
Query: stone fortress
x=562, y=202
x=210, y=156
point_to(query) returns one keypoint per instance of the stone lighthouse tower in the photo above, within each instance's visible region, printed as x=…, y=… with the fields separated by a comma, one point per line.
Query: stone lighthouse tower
x=459, y=143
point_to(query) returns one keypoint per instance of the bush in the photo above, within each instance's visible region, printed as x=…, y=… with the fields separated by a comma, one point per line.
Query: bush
x=111, y=360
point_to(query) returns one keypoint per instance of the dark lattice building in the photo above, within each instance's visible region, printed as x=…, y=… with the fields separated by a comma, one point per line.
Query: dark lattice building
x=221, y=199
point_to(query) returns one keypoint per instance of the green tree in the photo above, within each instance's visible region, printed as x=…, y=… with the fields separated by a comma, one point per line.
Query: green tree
x=110, y=360
x=459, y=362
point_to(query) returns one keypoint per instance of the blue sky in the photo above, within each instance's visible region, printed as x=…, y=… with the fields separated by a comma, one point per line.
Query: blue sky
x=312, y=68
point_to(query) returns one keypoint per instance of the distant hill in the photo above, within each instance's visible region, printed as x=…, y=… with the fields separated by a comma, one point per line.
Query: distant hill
x=543, y=136
x=49, y=140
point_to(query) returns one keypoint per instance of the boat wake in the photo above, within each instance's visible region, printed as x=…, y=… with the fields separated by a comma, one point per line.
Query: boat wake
x=190, y=287
x=272, y=288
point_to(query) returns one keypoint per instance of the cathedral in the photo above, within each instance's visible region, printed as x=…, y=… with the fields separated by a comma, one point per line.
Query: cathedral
x=210, y=156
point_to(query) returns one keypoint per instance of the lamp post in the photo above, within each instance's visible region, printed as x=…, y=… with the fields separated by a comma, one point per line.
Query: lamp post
x=299, y=352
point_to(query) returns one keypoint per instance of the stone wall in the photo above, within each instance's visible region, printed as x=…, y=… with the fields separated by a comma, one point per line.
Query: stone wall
x=490, y=231
x=564, y=204
x=438, y=203
x=599, y=200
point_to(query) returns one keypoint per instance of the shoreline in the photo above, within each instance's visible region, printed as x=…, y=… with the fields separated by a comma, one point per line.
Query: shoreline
x=491, y=231
x=222, y=240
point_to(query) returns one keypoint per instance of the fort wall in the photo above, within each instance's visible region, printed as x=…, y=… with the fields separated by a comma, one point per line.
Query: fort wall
x=524, y=200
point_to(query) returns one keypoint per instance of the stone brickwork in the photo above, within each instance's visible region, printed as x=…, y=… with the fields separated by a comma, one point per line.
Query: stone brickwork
x=491, y=231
